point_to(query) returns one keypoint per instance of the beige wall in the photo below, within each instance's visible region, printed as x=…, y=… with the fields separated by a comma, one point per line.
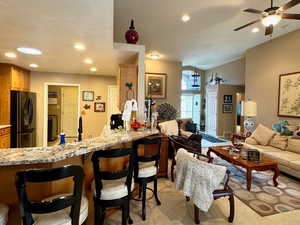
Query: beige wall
x=264, y=63
x=233, y=72
x=173, y=71
x=93, y=122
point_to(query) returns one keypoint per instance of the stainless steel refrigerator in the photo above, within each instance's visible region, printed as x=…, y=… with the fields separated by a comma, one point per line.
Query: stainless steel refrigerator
x=23, y=119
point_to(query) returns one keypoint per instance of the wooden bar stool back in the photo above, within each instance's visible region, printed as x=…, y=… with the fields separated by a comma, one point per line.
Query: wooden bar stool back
x=61, y=203
x=112, y=188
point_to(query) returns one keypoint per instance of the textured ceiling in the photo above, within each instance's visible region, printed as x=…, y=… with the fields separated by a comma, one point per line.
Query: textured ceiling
x=208, y=39
x=53, y=26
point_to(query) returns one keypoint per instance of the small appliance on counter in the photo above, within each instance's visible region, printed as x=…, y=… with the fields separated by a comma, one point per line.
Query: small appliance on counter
x=23, y=119
x=116, y=121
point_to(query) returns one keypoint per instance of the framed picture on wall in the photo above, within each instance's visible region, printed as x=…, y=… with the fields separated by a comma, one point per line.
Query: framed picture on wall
x=227, y=108
x=88, y=96
x=227, y=98
x=289, y=95
x=156, y=85
x=99, y=107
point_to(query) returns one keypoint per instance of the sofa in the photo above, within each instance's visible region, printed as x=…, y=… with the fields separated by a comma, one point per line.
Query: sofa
x=282, y=149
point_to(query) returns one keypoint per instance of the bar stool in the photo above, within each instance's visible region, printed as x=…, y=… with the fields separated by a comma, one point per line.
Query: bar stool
x=112, y=188
x=70, y=209
x=146, y=169
x=3, y=214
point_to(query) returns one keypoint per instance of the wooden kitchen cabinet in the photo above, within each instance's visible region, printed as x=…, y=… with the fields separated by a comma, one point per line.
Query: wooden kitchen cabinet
x=11, y=78
x=5, y=138
x=128, y=74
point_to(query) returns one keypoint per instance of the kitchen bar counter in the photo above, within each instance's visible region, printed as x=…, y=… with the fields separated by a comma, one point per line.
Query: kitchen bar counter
x=19, y=159
x=38, y=155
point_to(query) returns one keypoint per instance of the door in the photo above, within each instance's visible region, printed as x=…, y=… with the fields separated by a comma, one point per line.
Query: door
x=190, y=107
x=211, y=111
x=69, y=110
x=112, y=99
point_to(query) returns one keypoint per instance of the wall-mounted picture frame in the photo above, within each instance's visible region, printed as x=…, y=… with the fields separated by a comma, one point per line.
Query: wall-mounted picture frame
x=288, y=96
x=227, y=108
x=228, y=99
x=99, y=107
x=156, y=85
x=88, y=96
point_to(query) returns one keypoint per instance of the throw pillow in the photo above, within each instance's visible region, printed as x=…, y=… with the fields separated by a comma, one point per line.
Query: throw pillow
x=293, y=145
x=251, y=141
x=169, y=127
x=279, y=141
x=279, y=125
x=296, y=134
x=285, y=131
x=192, y=127
x=263, y=135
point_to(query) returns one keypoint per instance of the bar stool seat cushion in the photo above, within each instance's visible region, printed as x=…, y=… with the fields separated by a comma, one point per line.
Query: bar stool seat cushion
x=3, y=214
x=61, y=217
x=148, y=171
x=113, y=189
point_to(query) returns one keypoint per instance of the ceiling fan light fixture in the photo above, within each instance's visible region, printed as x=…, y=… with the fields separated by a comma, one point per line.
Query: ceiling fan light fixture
x=271, y=20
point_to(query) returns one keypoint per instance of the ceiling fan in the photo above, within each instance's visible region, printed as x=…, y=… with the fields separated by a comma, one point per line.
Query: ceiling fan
x=272, y=16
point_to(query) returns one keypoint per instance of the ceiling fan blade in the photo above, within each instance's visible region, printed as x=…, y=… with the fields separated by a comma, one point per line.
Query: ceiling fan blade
x=256, y=11
x=269, y=30
x=290, y=16
x=289, y=5
x=246, y=25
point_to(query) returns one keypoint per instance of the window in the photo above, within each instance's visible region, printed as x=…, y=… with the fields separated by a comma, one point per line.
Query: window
x=190, y=98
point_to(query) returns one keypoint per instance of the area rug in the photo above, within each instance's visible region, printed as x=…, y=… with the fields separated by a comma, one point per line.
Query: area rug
x=211, y=138
x=264, y=198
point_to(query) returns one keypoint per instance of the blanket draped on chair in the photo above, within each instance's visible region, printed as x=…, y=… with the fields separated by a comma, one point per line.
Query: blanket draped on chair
x=198, y=179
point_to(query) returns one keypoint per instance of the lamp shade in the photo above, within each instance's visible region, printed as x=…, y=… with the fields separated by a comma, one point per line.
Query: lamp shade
x=249, y=108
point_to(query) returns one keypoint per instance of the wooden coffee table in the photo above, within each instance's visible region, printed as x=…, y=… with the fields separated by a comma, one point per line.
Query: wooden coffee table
x=264, y=164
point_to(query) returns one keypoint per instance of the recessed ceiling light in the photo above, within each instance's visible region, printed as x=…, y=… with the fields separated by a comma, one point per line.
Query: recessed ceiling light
x=29, y=51
x=255, y=30
x=88, y=61
x=10, y=54
x=154, y=55
x=93, y=69
x=79, y=46
x=33, y=65
x=185, y=18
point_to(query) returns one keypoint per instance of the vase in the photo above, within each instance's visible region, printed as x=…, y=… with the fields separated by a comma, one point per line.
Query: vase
x=132, y=35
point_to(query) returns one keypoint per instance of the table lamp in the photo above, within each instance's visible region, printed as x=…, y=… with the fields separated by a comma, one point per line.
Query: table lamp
x=249, y=110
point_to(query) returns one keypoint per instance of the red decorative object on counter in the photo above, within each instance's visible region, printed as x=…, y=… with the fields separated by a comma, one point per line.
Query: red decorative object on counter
x=136, y=125
x=132, y=35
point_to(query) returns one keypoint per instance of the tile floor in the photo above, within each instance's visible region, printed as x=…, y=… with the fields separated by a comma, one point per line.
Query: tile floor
x=175, y=210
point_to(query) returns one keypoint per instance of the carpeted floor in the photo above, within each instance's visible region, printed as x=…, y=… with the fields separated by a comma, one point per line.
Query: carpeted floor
x=264, y=198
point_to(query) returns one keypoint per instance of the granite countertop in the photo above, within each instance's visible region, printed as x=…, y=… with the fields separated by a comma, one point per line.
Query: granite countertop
x=4, y=126
x=22, y=156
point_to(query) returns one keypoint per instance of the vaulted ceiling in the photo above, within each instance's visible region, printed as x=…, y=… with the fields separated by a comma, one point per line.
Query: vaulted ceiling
x=208, y=39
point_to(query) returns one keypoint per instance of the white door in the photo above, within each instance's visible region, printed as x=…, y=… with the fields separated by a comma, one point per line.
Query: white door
x=112, y=99
x=69, y=110
x=211, y=112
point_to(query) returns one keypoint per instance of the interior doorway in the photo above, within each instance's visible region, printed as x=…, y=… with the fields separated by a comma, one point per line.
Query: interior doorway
x=62, y=102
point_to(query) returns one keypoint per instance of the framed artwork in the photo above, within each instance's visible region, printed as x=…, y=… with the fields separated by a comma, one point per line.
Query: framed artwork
x=156, y=85
x=227, y=108
x=88, y=96
x=99, y=107
x=289, y=95
x=227, y=98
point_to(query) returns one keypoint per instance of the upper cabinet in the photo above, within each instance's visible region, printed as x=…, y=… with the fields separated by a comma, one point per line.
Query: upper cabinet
x=20, y=79
x=128, y=74
x=11, y=78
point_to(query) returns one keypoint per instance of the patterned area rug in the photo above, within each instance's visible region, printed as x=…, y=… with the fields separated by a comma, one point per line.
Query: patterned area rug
x=264, y=198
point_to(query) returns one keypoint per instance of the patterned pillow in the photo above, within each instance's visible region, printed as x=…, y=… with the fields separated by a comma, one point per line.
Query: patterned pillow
x=279, y=141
